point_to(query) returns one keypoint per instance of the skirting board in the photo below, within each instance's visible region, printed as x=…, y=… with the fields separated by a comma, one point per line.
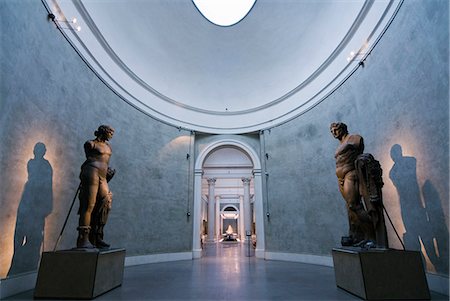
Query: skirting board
x=303, y=258
x=155, y=258
x=16, y=285
x=437, y=283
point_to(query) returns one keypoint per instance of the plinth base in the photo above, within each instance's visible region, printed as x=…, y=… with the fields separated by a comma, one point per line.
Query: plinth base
x=79, y=274
x=380, y=274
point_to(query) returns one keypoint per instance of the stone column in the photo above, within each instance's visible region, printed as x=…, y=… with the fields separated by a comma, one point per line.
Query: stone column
x=259, y=215
x=197, y=218
x=247, y=211
x=241, y=218
x=211, y=207
x=218, y=234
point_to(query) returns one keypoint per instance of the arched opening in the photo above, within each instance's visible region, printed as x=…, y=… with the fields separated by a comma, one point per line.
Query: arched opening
x=227, y=193
x=229, y=224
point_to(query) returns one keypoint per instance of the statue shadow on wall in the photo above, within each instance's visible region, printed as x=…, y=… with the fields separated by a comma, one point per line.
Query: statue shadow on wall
x=35, y=205
x=424, y=221
x=436, y=217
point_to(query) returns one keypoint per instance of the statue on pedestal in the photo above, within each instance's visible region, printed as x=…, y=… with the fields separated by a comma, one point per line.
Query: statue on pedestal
x=360, y=183
x=95, y=196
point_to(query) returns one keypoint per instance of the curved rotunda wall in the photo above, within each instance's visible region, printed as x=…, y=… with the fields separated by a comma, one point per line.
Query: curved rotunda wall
x=49, y=98
x=399, y=103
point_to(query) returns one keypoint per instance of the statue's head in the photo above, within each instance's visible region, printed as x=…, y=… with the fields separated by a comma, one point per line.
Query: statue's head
x=104, y=132
x=338, y=129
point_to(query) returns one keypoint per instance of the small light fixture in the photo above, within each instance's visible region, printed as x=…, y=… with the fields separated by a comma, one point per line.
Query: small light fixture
x=358, y=56
x=70, y=23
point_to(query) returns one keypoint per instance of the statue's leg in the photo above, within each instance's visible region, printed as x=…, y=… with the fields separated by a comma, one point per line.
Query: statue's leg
x=101, y=213
x=341, y=182
x=87, y=197
x=350, y=192
x=380, y=229
x=366, y=223
x=94, y=223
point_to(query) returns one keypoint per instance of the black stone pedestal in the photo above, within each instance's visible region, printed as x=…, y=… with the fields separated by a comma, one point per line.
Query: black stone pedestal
x=376, y=274
x=79, y=274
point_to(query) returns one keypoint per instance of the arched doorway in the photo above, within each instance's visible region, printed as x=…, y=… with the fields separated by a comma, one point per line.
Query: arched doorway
x=230, y=223
x=238, y=180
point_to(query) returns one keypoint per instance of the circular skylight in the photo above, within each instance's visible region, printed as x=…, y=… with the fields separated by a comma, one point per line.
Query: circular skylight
x=224, y=12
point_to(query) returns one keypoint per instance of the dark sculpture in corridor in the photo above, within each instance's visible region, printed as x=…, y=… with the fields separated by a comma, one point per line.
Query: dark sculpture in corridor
x=95, y=197
x=360, y=183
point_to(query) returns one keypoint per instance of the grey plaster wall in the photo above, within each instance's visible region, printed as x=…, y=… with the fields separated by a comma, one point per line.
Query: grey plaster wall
x=50, y=99
x=400, y=98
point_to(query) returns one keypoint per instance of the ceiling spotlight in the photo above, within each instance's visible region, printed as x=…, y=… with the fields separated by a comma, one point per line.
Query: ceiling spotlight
x=70, y=24
x=356, y=56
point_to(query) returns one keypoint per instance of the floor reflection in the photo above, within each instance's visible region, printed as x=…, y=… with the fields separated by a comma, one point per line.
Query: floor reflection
x=228, y=250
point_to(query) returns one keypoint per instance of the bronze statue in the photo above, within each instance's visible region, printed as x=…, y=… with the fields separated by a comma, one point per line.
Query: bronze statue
x=360, y=182
x=95, y=197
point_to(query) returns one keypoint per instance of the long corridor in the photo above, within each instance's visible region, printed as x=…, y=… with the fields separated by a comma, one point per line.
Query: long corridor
x=226, y=272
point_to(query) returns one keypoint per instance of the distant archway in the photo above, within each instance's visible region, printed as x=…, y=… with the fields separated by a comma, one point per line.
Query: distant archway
x=258, y=202
x=230, y=216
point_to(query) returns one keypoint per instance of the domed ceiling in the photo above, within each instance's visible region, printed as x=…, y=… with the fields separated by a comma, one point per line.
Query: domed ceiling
x=167, y=60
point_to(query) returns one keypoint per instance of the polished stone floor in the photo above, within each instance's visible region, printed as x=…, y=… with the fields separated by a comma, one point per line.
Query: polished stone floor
x=225, y=272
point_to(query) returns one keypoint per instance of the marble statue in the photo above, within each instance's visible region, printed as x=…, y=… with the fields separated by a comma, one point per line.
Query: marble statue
x=229, y=234
x=95, y=196
x=229, y=230
x=360, y=182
